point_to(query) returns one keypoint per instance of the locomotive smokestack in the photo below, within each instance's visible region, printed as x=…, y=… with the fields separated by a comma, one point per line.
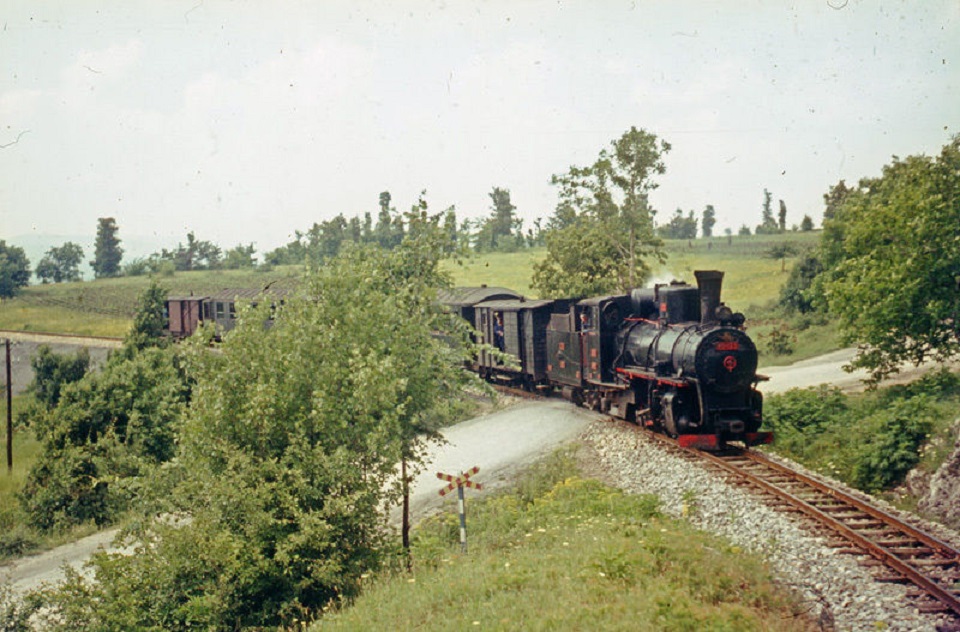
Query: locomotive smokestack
x=709, y=282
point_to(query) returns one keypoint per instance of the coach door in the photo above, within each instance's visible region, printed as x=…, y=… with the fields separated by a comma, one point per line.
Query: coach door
x=590, y=343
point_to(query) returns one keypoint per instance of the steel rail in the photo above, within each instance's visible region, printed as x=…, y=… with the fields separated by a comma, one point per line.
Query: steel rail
x=931, y=542
x=909, y=573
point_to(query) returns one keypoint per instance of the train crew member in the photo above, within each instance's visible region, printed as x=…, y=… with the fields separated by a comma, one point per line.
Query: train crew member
x=498, y=340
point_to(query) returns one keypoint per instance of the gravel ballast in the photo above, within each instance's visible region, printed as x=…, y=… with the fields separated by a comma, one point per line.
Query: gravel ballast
x=840, y=591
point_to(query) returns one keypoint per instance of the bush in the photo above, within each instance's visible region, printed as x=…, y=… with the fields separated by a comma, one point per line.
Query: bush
x=106, y=431
x=794, y=294
x=780, y=341
x=800, y=410
x=892, y=444
x=64, y=489
x=52, y=371
x=871, y=441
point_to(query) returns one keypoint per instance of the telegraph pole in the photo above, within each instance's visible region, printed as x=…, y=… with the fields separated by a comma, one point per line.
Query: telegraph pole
x=9, y=412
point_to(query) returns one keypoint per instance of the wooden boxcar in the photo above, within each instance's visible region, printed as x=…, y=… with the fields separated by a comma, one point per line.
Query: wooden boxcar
x=186, y=314
x=518, y=328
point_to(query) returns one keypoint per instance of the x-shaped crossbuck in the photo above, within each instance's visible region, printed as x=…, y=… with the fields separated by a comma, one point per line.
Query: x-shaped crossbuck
x=459, y=481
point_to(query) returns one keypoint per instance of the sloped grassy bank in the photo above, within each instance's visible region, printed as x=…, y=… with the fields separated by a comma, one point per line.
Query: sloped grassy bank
x=564, y=552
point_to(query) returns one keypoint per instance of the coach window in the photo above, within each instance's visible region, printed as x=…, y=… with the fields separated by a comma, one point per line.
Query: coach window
x=219, y=310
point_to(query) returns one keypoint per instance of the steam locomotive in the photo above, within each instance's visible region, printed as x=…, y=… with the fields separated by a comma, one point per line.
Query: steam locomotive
x=671, y=357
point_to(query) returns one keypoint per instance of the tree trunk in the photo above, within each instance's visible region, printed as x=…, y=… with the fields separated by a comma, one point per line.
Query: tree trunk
x=405, y=524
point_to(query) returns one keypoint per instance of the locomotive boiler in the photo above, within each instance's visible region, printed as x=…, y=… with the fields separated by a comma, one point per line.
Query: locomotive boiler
x=691, y=366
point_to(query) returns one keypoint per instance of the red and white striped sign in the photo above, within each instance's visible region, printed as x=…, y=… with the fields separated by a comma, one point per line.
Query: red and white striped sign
x=459, y=481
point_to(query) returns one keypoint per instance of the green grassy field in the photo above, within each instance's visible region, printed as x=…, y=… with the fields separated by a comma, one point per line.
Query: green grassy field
x=105, y=307
x=750, y=279
x=562, y=552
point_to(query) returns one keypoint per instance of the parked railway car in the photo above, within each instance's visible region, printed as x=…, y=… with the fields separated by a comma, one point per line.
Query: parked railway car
x=184, y=315
x=671, y=357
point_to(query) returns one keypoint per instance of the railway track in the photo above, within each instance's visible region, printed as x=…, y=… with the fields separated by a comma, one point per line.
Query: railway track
x=901, y=552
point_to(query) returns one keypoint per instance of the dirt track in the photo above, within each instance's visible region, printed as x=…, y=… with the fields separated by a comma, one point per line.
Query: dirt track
x=23, y=346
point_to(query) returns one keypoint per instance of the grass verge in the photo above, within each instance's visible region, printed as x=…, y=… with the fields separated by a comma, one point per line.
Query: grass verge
x=562, y=552
x=15, y=537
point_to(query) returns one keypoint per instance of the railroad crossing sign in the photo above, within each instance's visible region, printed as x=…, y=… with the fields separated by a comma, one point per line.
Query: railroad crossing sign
x=458, y=483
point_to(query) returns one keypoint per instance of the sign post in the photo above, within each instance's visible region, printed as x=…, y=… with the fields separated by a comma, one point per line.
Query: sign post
x=458, y=483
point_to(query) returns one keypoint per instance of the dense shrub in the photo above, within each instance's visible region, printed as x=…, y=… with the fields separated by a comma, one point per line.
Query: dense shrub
x=802, y=409
x=106, y=430
x=890, y=448
x=870, y=441
x=794, y=295
x=52, y=371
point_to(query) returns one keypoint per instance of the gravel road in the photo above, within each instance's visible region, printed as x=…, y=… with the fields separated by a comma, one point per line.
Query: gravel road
x=23, y=346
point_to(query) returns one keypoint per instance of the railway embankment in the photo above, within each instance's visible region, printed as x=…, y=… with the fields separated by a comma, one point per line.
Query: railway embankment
x=938, y=493
x=838, y=590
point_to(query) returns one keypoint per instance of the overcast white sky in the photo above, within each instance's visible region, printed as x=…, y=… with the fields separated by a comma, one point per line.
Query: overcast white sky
x=245, y=121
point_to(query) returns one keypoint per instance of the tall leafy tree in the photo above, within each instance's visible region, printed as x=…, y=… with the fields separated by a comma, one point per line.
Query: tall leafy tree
x=196, y=254
x=290, y=450
x=107, y=250
x=782, y=217
x=14, y=269
x=679, y=226
x=61, y=263
x=501, y=229
x=708, y=221
x=607, y=218
x=240, y=256
x=768, y=225
x=892, y=263
x=386, y=230
x=806, y=224
x=148, y=322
